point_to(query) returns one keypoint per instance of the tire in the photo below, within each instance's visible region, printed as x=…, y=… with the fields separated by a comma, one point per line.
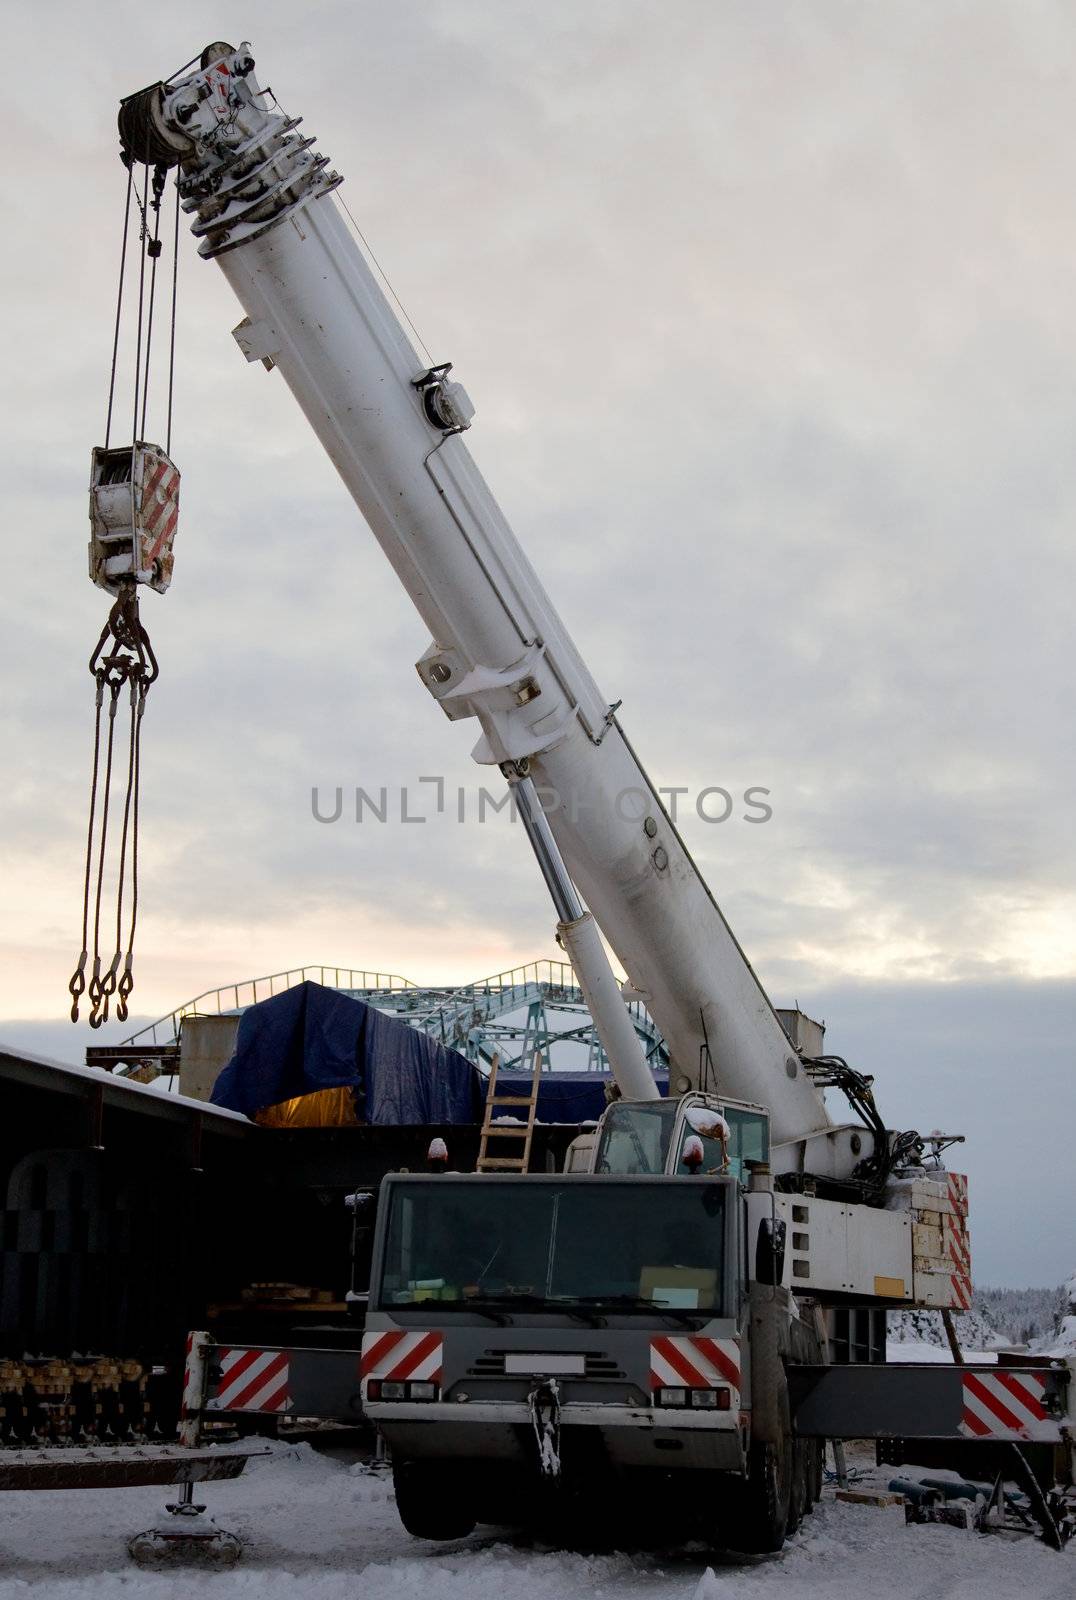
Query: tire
x=766, y=1499
x=815, y=1471
x=429, y=1501
x=799, y=1505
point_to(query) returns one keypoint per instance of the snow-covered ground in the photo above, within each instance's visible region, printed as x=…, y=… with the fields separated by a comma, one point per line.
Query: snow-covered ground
x=318, y=1528
x=909, y=1350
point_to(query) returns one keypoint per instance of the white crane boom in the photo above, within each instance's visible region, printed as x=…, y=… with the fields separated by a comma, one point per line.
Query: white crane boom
x=499, y=652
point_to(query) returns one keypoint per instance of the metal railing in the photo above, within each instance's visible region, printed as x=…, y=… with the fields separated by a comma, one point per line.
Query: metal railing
x=465, y=1017
x=237, y=996
x=458, y=1016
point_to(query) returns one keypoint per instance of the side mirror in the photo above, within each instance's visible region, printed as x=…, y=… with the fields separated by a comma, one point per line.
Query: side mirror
x=770, y=1250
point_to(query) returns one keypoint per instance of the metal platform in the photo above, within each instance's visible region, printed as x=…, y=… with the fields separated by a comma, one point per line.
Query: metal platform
x=120, y=1466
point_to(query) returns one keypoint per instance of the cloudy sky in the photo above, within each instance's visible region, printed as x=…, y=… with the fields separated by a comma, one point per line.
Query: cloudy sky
x=767, y=311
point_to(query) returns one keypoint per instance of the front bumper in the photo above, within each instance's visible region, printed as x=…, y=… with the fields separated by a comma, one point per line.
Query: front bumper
x=572, y=1414
x=478, y=1436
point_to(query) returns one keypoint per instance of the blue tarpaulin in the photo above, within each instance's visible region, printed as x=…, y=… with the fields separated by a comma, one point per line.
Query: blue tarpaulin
x=563, y=1096
x=312, y=1038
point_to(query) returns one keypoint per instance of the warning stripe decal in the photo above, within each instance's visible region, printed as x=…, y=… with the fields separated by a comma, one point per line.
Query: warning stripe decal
x=154, y=506
x=251, y=1380
x=960, y=1253
x=958, y=1242
x=410, y=1362
x=1004, y=1405
x=185, y=1401
x=150, y=484
x=376, y=1348
x=164, y=535
x=960, y=1286
x=395, y=1355
x=694, y=1360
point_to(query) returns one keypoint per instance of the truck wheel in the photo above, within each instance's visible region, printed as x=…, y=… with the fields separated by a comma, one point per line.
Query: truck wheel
x=429, y=1502
x=798, y=1502
x=767, y=1493
x=816, y=1463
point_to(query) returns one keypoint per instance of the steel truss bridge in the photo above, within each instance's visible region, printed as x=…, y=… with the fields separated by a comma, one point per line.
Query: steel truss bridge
x=535, y=1008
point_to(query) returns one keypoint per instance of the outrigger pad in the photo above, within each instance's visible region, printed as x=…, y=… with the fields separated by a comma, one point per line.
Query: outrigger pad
x=183, y=1537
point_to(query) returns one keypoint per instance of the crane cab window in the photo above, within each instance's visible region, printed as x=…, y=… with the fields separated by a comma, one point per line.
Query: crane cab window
x=635, y=1136
x=748, y=1141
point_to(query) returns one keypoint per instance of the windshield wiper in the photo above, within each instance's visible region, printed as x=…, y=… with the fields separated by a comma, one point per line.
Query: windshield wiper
x=478, y=1308
x=537, y=1302
x=641, y=1302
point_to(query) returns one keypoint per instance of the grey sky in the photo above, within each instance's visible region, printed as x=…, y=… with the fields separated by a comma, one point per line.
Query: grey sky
x=767, y=313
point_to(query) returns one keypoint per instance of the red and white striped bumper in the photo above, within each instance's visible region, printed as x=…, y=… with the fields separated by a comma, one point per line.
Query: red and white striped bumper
x=251, y=1380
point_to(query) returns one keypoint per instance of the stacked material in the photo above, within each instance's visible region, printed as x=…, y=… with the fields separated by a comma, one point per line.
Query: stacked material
x=365, y=1066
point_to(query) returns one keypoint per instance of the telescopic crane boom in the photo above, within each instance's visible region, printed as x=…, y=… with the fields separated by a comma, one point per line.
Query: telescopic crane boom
x=262, y=207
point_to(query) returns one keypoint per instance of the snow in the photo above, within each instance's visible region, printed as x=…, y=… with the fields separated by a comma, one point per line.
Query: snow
x=320, y=1528
x=914, y=1350
x=711, y=1124
x=1064, y=1344
x=974, y=1329
x=918, y=1335
x=693, y=1154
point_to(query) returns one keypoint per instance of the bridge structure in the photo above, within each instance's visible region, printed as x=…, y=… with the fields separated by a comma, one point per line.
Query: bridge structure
x=536, y=1008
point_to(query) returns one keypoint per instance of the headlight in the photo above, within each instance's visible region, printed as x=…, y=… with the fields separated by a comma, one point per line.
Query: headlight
x=706, y=1399
x=387, y=1389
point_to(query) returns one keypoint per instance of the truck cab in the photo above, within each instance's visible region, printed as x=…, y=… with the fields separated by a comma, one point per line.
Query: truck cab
x=555, y=1327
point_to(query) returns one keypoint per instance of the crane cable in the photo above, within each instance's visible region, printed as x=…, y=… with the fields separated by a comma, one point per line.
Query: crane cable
x=123, y=653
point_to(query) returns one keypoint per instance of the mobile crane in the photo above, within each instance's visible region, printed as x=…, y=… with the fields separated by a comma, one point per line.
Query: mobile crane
x=658, y=1311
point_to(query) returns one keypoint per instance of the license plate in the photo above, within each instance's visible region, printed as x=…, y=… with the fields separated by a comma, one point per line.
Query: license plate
x=565, y=1366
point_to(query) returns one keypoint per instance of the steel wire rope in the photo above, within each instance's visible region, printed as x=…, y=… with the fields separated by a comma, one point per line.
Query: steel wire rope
x=98, y=991
x=77, y=986
x=141, y=302
x=385, y=279
x=269, y=94
x=134, y=680
x=172, y=338
x=153, y=249
x=119, y=302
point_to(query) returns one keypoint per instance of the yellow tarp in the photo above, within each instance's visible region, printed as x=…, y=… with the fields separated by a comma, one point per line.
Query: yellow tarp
x=325, y=1108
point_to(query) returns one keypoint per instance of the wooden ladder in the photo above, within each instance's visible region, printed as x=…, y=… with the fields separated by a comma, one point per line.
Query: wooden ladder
x=521, y=1133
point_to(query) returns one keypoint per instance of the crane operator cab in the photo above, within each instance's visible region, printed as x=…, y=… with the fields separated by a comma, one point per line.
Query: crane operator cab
x=697, y=1134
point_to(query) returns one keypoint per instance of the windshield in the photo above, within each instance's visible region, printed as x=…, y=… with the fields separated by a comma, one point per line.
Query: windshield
x=632, y=1247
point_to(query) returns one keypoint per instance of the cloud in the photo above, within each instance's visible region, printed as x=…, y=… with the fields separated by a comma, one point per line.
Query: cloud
x=767, y=314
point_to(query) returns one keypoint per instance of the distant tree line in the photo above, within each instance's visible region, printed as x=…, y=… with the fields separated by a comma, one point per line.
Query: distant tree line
x=1009, y=1316
x=1023, y=1314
